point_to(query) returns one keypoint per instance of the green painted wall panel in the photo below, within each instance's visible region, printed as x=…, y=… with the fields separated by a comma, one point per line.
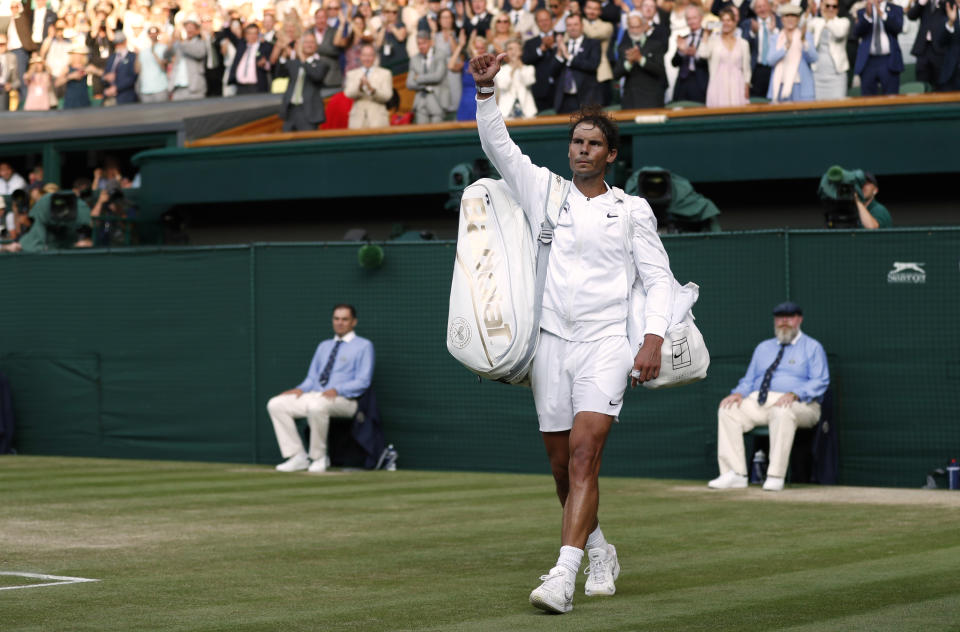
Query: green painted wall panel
x=174, y=353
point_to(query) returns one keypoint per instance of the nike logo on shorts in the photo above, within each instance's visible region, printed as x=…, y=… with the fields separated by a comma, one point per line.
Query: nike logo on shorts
x=613, y=403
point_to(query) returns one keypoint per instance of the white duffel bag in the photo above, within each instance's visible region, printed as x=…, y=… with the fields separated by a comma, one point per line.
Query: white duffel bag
x=491, y=328
x=683, y=357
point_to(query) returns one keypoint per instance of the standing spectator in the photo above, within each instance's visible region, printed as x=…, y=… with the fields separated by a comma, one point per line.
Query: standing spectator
x=43, y=19
x=213, y=67
x=391, y=39
x=9, y=79
x=349, y=37
x=657, y=19
x=558, y=13
x=372, y=21
x=327, y=49
x=121, y=74
x=761, y=32
x=467, y=109
x=575, y=69
x=73, y=79
x=640, y=62
x=449, y=42
x=829, y=34
x=370, y=87
x=728, y=56
x=250, y=70
x=38, y=85
x=792, y=78
x=10, y=180
x=500, y=34
x=693, y=75
x=152, y=69
x=186, y=57
x=539, y=52
x=56, y=50
x=600, y=31
x=302, y=107
x=19, y=34
x=521, y=20
x=429, y=21
x=100, y=44
x=932, y=16
x=949, y=38
x=229, y=53
x=411, y=15
x=513, y=84
x=269, y=26
x=479, y=21
x=870, y=213
x=427, y=77
x=879, y=62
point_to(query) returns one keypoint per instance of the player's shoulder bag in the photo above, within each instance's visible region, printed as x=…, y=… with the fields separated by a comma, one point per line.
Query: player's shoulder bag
x=684, y=357
x=493, y=323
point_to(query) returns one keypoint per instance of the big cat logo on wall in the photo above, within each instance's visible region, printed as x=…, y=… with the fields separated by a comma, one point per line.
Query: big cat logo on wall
x=907, y=272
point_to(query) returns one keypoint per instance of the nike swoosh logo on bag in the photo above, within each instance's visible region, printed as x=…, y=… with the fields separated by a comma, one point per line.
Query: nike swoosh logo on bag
x=677, y=355
x=612, y=215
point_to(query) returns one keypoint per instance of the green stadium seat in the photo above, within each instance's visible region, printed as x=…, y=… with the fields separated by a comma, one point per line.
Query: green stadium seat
x=613, y=108
x=759, y=100
x=853, y=92
x=909, y=74
x=547, y=112
x=913, y=87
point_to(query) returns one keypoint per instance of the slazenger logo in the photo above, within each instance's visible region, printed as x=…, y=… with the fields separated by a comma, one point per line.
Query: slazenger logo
x=907, y=272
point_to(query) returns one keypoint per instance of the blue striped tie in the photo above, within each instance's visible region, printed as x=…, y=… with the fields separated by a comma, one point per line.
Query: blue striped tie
x=327, y=370
x=765, y=384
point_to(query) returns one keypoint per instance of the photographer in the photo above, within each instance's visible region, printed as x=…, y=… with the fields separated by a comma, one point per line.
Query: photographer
x=872, y=214
x=107, y=217
x=59, y=221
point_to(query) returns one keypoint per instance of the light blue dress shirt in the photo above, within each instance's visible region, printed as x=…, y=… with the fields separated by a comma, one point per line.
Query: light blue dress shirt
x=153, y=78
x=802, y=370
x=352, y=370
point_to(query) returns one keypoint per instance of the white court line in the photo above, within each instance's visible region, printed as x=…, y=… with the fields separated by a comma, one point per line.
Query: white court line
x=57, y=580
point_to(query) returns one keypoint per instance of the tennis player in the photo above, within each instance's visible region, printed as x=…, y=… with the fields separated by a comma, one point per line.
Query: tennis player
x=584, y=360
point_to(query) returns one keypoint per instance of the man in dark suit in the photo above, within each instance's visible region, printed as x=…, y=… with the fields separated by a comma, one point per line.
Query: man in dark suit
x=879, y=61
x=693, y=75
x=575, y=69
x=948, y=37
x=926, y=49
x=324, y=30
x=657, y=19
x=121, y=73
x=640, y=59
x=760, y=31
x=43, y=18
x=538, y=52
x=480, y=22
x=302, y=106
x=213, y=65
x=250, y=70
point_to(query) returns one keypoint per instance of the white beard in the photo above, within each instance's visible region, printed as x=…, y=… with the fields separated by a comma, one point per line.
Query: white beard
x=786, y=335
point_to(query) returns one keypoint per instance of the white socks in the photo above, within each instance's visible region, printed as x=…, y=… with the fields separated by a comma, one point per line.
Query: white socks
x=596, y=540
x=570, y=559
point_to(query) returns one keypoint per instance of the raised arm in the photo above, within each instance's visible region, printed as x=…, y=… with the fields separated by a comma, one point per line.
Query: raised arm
x=527, y=182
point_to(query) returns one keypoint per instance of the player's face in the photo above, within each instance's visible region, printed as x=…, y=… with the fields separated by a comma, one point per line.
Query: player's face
x=343, y=322
x=588, y=152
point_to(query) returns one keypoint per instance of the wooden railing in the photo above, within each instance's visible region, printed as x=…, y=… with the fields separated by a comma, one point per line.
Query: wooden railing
x=268, y=130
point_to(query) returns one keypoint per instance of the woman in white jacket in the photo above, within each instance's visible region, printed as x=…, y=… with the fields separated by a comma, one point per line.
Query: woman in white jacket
x=829, y=35
x=513, y=85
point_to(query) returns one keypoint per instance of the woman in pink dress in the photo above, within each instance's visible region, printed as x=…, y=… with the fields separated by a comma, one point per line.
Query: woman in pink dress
x=728, y=57
x=38, y=84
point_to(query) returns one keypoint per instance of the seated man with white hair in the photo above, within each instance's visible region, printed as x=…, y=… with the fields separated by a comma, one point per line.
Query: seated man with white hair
x=783, y=389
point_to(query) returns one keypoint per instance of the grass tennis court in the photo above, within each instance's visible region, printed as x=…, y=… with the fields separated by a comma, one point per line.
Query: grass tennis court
x=199, y=546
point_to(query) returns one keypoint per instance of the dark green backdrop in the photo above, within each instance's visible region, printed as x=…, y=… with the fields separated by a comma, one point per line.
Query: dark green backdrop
x=174, y=353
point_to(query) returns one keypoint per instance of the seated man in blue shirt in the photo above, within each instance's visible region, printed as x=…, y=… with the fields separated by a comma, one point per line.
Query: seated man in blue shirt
x=341, y=370
x=783, y=388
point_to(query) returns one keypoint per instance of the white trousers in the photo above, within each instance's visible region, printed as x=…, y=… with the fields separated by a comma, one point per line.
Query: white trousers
x=318, y=410
x=783, y=421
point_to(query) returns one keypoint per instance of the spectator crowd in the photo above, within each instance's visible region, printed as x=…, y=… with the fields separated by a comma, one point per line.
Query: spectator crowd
x=560, y=54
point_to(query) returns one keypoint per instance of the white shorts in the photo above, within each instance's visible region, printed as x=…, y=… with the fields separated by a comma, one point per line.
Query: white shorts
x=571, y=377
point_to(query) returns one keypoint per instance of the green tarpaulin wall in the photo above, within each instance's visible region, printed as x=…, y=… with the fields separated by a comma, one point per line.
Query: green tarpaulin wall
x=174, y=353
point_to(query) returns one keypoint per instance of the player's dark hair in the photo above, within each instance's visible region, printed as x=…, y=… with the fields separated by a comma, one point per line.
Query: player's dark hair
x=594, y=115
x=353, y=311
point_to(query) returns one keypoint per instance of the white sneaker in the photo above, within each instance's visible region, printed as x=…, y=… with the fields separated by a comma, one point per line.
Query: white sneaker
x=728, y=480
x=295, y=463
x=319, y=466
x=555, y=594
x=773, y=484
x=602, y=570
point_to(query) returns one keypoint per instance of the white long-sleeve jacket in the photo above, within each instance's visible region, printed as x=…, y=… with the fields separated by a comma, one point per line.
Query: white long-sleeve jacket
x=588, y=284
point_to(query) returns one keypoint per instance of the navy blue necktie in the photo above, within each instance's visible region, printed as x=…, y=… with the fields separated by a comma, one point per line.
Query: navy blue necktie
x=765, y=384
x=327, y=370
